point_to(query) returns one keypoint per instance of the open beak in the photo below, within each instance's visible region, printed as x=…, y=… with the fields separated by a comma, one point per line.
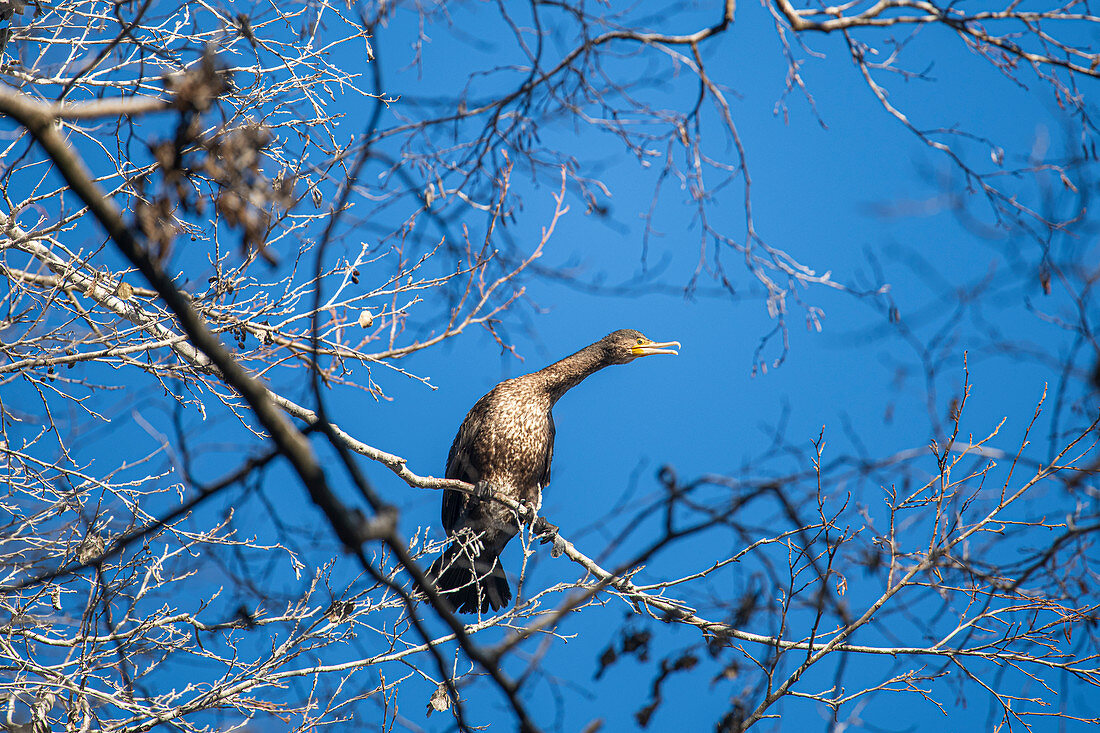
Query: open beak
x=657, y=347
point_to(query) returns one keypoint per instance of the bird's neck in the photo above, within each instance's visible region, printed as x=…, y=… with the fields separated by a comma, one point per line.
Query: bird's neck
x=562, y=376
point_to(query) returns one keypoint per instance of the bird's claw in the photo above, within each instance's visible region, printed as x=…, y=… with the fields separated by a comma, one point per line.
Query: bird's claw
x=483, y=491
x=545, y=531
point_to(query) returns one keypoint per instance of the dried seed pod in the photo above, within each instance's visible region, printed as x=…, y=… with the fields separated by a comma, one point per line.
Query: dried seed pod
x=366, y=318
x=90, y=548
x=339, y=611
x=440, y=700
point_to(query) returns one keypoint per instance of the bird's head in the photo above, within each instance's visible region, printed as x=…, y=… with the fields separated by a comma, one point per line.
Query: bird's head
x=626, y=345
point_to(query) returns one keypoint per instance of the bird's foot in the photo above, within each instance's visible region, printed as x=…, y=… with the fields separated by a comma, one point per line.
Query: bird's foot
x=544, y=530
x=483, y=491
x=547, y=533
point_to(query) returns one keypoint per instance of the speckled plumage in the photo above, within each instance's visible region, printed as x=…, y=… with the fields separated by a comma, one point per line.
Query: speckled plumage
x=506, y=444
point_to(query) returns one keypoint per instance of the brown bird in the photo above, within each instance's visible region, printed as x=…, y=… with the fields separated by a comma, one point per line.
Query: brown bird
x=505, y=445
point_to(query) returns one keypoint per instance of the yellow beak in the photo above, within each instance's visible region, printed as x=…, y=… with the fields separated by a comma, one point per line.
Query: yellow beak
x=656, y=347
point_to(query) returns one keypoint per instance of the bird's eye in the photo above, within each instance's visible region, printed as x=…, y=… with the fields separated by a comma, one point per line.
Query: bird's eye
x=641, y=341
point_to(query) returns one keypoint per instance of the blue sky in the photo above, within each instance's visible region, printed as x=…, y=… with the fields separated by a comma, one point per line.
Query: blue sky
x=859, y=190
x=817, y=193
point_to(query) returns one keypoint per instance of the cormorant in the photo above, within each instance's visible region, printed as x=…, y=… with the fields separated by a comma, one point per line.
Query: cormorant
x=505, y=444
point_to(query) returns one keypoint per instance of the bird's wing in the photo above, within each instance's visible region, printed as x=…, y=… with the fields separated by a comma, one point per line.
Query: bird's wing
x=452, y=509
x=459, y=467
x=544, y=478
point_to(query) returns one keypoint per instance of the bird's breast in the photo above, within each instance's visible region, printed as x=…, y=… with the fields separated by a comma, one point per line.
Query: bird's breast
x=515, y=442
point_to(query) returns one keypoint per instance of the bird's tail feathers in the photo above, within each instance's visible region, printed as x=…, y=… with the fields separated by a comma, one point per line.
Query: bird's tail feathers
x=469, y=582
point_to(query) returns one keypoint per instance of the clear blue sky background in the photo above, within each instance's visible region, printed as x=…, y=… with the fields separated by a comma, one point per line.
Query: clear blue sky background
x=820, y=195
x=817, y=193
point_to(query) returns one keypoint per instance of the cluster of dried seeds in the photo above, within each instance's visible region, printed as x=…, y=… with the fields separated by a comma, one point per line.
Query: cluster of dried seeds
x=230, y=159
